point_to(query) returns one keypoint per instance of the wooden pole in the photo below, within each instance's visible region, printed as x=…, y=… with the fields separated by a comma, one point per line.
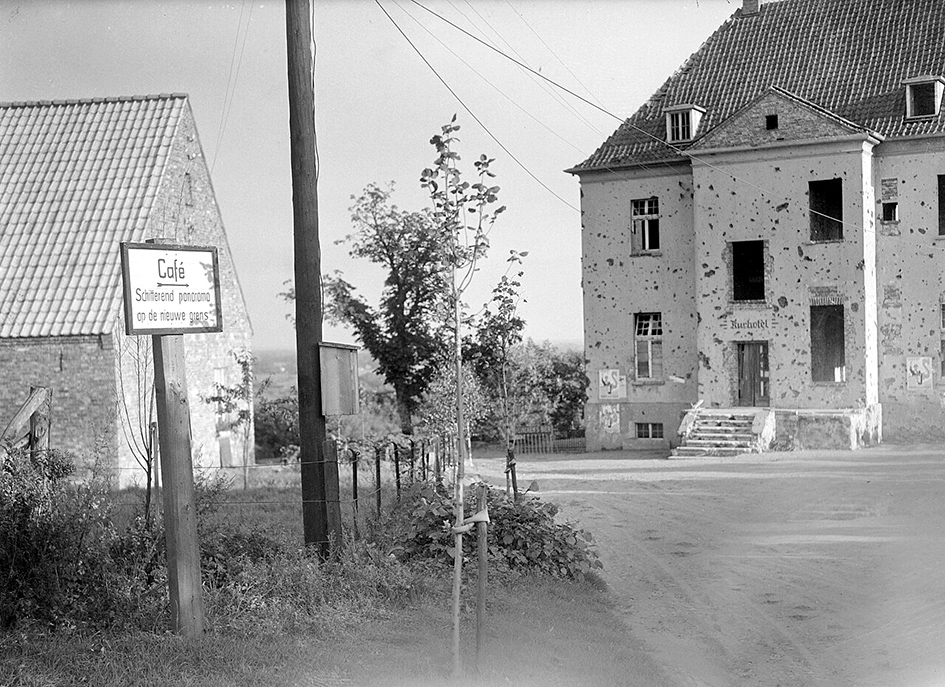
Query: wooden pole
x=460, y=476
x=319, y=516
x=377, y=478
x=39, y=423
x=354, y=490
x=177, y=477
x=482, y=534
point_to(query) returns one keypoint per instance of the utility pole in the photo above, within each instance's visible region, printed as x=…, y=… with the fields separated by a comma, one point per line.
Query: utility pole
x=320, y=519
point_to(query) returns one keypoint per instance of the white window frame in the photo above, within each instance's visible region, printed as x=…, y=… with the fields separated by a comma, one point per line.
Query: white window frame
x=682, y=122
x=645, y=216
x=648, y=346
x=937, y=82
x=649, y=430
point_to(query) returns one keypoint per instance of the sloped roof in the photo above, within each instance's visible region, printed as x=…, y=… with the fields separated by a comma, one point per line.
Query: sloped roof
x=76, y=178
x=849, y=57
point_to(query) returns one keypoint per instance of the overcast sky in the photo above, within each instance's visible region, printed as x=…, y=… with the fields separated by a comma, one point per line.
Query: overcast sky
x=378, y=104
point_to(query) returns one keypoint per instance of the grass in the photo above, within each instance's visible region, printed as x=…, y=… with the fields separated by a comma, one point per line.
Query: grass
x=365, y=619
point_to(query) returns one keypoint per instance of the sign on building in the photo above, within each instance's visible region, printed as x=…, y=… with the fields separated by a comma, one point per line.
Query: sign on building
x=170, y=289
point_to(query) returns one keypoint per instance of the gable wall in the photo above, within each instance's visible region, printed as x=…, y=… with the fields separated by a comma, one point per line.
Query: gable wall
x=763, y=195
x=617, y=285
x=200, y=223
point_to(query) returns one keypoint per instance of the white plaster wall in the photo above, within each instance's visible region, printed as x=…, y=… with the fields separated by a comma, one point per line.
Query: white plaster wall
x=616, y=285
x=762, y=194
x=911, y=287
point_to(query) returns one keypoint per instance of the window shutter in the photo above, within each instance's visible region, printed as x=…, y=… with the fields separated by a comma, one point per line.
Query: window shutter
x=656, y=359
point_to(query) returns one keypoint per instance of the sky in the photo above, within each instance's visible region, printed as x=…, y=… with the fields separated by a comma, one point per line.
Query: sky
x=377, y=106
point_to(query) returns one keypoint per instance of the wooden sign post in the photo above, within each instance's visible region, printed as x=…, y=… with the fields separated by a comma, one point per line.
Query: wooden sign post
x=169, y=291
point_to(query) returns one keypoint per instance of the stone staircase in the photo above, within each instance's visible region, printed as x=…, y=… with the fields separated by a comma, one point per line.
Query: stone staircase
x=724, y=432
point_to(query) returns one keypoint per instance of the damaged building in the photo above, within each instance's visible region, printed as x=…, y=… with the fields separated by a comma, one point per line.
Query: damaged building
x=764, y=239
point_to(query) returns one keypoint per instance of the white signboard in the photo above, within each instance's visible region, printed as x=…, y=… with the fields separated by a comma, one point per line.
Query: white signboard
x=170, y=289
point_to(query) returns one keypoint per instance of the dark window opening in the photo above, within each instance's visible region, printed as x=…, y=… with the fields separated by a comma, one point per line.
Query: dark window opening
x=827, y=353
x=649, y=430
x=922, y=100
x=748, y=270
x=941, y=204
x=942, y=358
x=826, y=210
x=771, y=122
x=646, y=225
x=890, y=212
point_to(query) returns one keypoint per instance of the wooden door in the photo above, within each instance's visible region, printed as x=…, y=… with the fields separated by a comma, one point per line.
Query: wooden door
x=753, y=374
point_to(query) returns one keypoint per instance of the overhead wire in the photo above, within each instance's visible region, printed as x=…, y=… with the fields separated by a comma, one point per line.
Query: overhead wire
x=470, y=112
x=680, y=151
x=231, y=92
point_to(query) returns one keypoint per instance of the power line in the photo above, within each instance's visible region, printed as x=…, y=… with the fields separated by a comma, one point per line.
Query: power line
x=470, y=112
x=227, y=106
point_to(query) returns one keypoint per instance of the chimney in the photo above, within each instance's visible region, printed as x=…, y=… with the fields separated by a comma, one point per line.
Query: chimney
x=750, y=7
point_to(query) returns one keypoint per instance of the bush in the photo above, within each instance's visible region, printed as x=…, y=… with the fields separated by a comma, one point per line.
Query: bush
x=54, y=543
x=523, y=535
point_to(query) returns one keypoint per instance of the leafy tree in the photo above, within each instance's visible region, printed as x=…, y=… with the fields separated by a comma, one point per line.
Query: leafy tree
x=234, y=405
x=438, y=410
x=407, y=333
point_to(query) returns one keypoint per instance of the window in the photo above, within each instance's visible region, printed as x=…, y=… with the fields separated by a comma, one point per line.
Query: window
x=890, y=212
x=748, y=270
x=188, y=190
x=942, y=306
x=649, y=430
x=682, y=122
x=826, y=210
x=771, y=122
x=646, y=225
x=648, y=343
x=942, y=352
x=827, y=356
x=923, y=96
x=941, y=204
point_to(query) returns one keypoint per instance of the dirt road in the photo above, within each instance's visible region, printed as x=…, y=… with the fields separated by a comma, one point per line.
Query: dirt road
x=814, y=568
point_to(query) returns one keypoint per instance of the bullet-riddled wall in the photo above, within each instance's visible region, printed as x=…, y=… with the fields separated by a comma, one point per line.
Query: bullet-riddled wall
x=753, y=195
x=911, y=288
x=619, y=283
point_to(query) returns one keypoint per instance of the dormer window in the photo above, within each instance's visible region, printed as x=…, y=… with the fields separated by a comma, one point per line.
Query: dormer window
x=923, y=96
x=682, y=122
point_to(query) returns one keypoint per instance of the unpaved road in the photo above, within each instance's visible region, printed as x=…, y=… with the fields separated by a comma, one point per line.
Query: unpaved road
x=806, y=569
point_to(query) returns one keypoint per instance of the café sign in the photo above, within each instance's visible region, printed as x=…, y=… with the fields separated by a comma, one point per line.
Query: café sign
x=170, y=289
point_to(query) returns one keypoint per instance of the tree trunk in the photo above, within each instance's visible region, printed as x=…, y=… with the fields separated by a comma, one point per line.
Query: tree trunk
x=403, y=412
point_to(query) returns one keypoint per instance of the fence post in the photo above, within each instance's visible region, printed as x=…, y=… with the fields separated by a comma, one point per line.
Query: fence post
x=377, y=477
x=413, y=459
x=354, y=491
x=423, y=459
x=437, y=453
x=397, y=469
x=483, y=549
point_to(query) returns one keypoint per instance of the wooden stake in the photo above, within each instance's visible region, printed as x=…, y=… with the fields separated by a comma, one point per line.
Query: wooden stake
x=482, y=532
x=177, y=477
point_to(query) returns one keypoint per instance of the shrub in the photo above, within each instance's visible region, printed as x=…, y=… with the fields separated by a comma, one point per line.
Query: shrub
x=523, y=535
x=54, y=543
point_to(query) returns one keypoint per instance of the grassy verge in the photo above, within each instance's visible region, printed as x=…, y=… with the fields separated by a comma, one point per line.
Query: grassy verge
x=538, y=632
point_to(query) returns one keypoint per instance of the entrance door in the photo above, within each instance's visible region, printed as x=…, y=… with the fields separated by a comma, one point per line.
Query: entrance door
x=753, y=374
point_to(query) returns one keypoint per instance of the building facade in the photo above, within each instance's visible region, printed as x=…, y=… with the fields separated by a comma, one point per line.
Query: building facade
x=77, y=178
x=766, y=235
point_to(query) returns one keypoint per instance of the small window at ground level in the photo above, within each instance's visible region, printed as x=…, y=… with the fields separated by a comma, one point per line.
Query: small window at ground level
x=646, y=225
x=827, y=350
x=890, y=212
x=941, y=204
x=826, y=210
x=649, y=430
x=748, y=270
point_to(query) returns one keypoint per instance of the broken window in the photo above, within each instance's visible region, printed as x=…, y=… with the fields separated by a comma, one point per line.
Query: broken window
x=890, y=212
x=827, y=355
x=748, y=270
x=649, y=430
x=646, y=225
x=826, y=210
x=648, y=344
x=941, y=204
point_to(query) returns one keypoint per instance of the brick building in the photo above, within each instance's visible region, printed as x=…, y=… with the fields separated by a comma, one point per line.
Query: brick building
x=77, y=178
x=764, y=239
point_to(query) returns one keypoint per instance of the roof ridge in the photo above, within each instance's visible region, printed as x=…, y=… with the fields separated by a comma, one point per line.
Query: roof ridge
x=87, y=101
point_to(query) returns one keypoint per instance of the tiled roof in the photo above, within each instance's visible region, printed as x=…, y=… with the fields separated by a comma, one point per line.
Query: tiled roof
x=847, y=56
x=76, y=178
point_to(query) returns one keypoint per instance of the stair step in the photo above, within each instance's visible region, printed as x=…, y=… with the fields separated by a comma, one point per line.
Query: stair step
x=717, y=442
x=696, y=451
x=743, y=436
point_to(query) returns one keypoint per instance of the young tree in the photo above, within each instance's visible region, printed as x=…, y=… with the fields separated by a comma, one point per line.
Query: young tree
x=137, y=408
x=235, y=404
x=407, y=333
